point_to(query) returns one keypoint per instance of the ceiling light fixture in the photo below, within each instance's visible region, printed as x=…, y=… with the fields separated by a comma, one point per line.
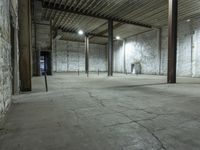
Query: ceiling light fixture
x=80, y=32
x=188, y=20
x=118, y=37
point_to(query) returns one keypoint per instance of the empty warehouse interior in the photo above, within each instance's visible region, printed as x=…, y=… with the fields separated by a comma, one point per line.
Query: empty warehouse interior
x=99, y=75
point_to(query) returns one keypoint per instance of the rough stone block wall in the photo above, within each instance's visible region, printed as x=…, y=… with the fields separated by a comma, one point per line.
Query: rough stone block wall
x=118, y=64
x=196, y=49
x=98, y=57
x=164, y=50
x=43, y=37
x=188, y=49
x=41, y=33
x=70, y=56
x=142, y=48
x=5, y=57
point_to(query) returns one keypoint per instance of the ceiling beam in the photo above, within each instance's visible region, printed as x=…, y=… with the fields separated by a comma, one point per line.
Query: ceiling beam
x=69, y=9
x=87, y=33
x=102, y=25
x=106, y=30
x=82, y=41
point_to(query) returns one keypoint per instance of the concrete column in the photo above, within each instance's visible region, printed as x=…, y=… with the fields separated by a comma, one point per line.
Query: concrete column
x=110, y=47
x=87, y=47
x=172, y=40
x=25, y=45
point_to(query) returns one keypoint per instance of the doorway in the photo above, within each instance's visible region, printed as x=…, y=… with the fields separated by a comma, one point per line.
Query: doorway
x=136, y=68
x=45, y=63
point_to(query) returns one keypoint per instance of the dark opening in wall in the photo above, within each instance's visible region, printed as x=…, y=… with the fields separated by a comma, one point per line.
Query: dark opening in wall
x=45, y=62
x=136, y=68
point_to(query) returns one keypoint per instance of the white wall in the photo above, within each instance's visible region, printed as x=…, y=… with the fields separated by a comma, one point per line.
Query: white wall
x=188, y=49
x=70, y=56
x=143, y=48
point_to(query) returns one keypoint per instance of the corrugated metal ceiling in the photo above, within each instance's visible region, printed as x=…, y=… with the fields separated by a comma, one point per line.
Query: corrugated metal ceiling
x=151, y=12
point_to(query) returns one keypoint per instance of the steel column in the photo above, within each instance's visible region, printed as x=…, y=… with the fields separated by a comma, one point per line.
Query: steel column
x=110, y=47
x=87, y=55
x=172, y=40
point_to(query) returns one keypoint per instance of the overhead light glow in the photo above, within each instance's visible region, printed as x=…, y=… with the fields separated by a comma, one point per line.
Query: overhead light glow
x=80, y=32
x=188, y=20
x=118, y=37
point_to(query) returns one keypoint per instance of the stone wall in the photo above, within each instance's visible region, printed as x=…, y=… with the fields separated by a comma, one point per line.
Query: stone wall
x=70, y=56
x=40, y=33
x=8, y=72
x=143, y=49
x=188, y=49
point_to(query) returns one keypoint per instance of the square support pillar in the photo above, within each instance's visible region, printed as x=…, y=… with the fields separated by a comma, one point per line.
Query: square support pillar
x=25, y=45
x=172, y=40
x=110, y=47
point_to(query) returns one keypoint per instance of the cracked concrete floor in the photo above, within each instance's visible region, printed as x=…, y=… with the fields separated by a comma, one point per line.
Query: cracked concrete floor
x=101, y=113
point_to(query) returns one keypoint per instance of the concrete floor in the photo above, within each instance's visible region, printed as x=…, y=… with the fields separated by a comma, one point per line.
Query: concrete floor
x=101, y=113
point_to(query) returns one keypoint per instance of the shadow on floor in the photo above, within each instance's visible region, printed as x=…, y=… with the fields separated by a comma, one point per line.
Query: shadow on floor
x=135, y=86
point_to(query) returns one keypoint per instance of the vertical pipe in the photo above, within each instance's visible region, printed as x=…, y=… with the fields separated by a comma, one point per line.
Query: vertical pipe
x=99, y=60
x=192, y=56
x=172, y=40
x=78, y=57
x=110, y=47
x=45, y=77
x=124, y=48
x=56, y=60
x=87, y=55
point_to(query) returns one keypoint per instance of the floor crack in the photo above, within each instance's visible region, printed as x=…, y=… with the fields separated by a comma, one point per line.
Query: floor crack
x=148, y=130
x=148, y=112
x=118, y=124
x=99, y=101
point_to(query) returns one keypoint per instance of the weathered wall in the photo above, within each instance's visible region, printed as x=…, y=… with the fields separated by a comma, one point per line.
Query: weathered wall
x=196, y=49
x=143, y=48
x=70, y=56
x=40, y=36
x=118, y=57
x=188, y=53
x=6, y=67
x=40, y=33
